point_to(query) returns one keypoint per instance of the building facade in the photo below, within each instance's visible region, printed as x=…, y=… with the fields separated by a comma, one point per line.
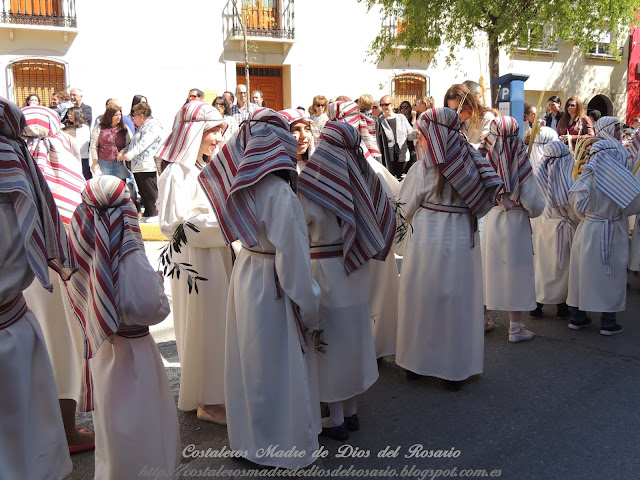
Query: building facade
x=296, y=49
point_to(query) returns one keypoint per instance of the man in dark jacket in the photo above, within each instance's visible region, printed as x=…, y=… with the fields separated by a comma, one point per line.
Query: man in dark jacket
x=76, y=98
x=554, y=107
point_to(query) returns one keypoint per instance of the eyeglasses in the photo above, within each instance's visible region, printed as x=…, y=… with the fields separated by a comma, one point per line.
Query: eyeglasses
x=571, y=105
x=404, y=107
x=385, y=104
x=324, y=105
x=193, y=96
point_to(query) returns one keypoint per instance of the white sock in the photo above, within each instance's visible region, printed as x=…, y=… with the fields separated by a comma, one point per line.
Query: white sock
x=336, y=416
x=349, y=407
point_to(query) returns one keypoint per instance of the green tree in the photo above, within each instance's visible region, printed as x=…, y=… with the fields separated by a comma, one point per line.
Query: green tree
x=430, y=24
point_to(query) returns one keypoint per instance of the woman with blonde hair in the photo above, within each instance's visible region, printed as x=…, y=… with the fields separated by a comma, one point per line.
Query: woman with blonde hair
x=574, y=122
x=475, y=118
x=318, y=110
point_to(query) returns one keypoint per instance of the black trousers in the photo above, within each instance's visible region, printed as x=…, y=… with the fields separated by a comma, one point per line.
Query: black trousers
x=86, y=169
x=148, y=189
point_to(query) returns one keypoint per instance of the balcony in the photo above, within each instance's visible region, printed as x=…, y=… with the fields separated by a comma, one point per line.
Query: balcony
x=268, y=20
x=38, y=13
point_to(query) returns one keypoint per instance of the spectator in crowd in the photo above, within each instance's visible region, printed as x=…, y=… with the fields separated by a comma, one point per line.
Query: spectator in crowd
x=140, y=153
x=258, y=98
x=365, y=103
x=224, y=108
x=242, y=109
x=406, y=110
x=230, y=97
x=636, y=123
x=135, y=101
x=554, y=112
x=194, y=94
x=530, y=113
x=476, y=89
x=60, y=103
x=595, y=115
x=76, y=98
x=82, y=134
x=422, y=104
x=399, y=133
x=318, y=110
x=32, y=100
x=574, y=122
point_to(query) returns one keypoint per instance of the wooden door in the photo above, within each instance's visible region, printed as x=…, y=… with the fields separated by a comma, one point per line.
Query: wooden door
x=266, y=79
x=260, y=14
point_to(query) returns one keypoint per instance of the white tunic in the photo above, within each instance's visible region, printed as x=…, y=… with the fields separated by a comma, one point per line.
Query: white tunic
x=552, y=282
x=199, y=318
x=134, y=416
x=634, y=250
x=507, y=252
x=271, y=386
x=349, y=366
x=441, y=320
x=590, y=287
x=32, y=441
x=62, y=335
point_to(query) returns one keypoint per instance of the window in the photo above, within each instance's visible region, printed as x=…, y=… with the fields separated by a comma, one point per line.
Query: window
x=410, y=86
x=260, y=14
x=539, y=39
x=57, y=13
x=42, y=77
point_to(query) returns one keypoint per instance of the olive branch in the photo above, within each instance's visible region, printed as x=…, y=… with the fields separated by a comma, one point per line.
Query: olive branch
x=402, y=225
x=318, y=340
x=171, y=268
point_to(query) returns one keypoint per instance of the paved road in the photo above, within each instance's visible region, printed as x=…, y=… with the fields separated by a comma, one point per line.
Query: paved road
x=563, y=406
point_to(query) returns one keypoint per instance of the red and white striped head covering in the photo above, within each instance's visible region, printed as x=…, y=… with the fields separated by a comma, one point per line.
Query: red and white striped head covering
x=104, y=228
x=52, y=151
x=340, y=179
x=292, y=116
x=262, y=145
x=41, y=227
x=191, y=122
x=471, y=175
x=508, y=156
x=349, y=112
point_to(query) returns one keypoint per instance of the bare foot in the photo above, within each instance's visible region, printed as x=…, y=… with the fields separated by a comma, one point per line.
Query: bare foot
x=215, y=413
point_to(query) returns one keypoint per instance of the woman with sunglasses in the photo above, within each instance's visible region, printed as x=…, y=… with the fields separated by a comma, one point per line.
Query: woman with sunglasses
x=222, y=105
x=574, y=122
x=407, y=111
x=318, y=110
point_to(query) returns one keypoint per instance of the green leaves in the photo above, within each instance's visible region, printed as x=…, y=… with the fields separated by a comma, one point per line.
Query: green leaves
x=171, y=268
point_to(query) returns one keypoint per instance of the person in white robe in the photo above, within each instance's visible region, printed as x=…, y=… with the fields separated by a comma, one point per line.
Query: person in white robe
x=199, y=316
x=51, y=150
x=441, y=316
x=116, y=295
x=385, y=280
x=32, y=439
x=604, y=194
x=554, y=236
x=350, y=221
x=272, y=310
x=545, y=136
x=507, y=249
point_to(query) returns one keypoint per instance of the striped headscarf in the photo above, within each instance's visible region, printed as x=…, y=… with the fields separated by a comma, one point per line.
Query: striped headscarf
x=349, y=112
x=41, y=227
x=634, y=148
x=104, y=228
x=605, y=129
x=339, y=178
x=508, y=156
x=545, y=136
x=262, y=145
x=183, y=144
x=554, y=180
x=469, y=173
x=607, y=167
x=53, y=154
x=292, y=115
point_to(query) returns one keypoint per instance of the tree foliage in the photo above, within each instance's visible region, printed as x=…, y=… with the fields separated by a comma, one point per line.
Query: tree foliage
x=431, y=24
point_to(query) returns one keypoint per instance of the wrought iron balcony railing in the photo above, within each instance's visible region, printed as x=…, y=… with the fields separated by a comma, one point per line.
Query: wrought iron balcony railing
x=265, y=19
x=51, y=13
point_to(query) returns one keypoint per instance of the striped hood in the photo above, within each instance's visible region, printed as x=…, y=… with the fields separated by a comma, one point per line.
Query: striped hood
x=339, y=178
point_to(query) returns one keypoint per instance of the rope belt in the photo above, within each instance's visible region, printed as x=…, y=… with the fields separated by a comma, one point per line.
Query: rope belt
x=565, y=230
x=326, y=251
x=607, y=235
x=12, y=311
x=436, y=207
x=296, y=312
x=132, y=331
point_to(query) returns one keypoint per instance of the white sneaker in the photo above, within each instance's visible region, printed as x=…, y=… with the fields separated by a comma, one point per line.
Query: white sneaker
x=520, y=335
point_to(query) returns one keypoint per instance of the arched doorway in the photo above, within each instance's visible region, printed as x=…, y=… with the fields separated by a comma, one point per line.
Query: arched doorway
x=601, y=103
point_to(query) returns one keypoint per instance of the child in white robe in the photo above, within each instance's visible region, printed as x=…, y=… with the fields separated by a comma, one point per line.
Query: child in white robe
x=116, y=295
x=507, y=251
x=350, y=221
x=604, y=194
x=32, y=440
x=270, y=370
